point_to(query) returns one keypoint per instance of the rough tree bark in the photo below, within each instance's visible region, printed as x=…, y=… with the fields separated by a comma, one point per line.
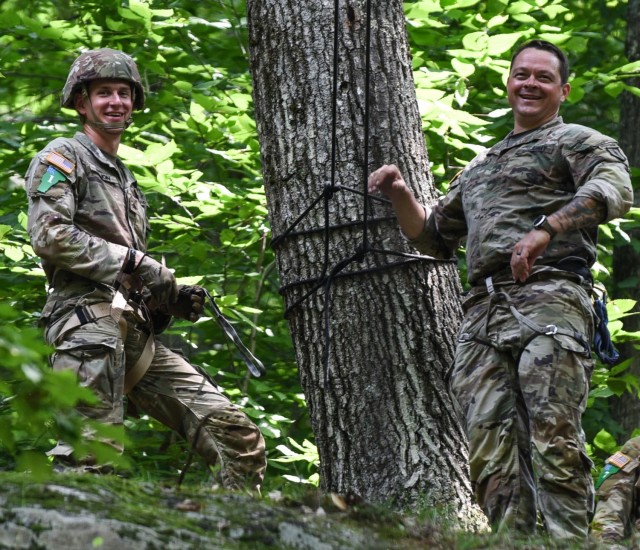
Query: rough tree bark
x=626, y=259
x=384, y=423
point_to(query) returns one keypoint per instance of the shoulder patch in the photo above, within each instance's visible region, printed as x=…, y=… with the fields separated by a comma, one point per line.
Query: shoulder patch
x=49, y=179
x=607, y=472
x=61, y=162
x=619, y=460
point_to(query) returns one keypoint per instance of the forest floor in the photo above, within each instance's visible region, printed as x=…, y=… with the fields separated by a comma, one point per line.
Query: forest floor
x=73, y=511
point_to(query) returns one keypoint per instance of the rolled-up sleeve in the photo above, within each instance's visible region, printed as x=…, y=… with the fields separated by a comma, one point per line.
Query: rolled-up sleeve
x=445, y=226
x=601, y=172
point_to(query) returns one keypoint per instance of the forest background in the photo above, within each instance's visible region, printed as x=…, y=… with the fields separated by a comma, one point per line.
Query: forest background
x=195, y=153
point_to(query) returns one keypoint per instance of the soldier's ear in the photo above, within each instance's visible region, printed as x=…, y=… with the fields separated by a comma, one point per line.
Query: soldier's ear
x=79, y=102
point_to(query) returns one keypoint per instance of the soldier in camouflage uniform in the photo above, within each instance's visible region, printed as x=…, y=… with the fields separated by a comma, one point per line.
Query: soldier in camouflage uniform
x=617, y=514
x=108, y=299
x=529, y=210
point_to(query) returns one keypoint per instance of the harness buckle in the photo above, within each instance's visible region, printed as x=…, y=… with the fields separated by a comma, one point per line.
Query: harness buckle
x=550, y=330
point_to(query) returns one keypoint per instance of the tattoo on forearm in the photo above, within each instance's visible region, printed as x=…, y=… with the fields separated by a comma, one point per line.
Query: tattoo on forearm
x=580, y=212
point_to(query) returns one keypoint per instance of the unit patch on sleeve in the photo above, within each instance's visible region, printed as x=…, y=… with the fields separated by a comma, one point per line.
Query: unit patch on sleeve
x=59, y=161
x=49, y=179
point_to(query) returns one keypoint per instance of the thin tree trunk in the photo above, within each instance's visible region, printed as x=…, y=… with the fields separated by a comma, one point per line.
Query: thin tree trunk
x=384, y=423
x=626, y=258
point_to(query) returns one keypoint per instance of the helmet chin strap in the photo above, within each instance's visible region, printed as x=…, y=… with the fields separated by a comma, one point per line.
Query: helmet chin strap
x=110, y=125
x=103, y=125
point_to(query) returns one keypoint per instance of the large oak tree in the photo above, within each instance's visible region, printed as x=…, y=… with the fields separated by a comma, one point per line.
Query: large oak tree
x=384, y=423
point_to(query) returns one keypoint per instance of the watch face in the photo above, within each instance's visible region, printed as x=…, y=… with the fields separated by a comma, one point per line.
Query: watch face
x=539, y=221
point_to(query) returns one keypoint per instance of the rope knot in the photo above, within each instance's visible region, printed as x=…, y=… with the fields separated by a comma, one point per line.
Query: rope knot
x=329, y=190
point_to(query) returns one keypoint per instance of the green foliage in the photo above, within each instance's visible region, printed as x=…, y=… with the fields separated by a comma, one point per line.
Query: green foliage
x=195, y=153
x=462, y=55
x=306, y=453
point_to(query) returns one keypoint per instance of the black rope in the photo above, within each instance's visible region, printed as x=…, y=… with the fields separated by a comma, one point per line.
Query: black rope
x=319, y=281
x=328, y=193
x=325, y=281
x=344, y=225
x=278, y=239
x=328, y=190
x=192, y=447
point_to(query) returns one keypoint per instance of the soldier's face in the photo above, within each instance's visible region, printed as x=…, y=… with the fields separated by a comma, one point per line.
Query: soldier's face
x=111, y=102
x=535, y=88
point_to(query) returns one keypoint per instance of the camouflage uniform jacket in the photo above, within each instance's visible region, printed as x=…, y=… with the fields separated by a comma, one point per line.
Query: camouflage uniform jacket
x=495, y=199
x=618, y=509
x=85, y=212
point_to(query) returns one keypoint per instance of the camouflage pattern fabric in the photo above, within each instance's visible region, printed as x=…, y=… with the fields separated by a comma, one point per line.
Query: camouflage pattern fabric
x=172, y=391
x=617, y=514
x=521, y=395
x=82, y=225
x=495, y=199
x=85, y=212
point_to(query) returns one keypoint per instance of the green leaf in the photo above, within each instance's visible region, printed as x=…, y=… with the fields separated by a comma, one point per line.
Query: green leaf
x=605, y=441
x=462, y=67
x=502, y=43
x=614, y=89
x=627, y=68
x=476, y=41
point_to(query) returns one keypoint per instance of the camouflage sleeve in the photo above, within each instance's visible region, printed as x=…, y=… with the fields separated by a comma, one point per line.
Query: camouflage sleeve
x=601, y=172
x=614, y=508
x=444, y=228
x=616, y=492
x=52, y=188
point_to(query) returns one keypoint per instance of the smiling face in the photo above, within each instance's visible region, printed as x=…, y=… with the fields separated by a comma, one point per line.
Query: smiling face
x=110, y=103
x=535, y=89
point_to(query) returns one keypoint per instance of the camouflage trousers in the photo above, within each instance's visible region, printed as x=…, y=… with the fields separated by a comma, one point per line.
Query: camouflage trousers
x=172, y=391
x=521, y=396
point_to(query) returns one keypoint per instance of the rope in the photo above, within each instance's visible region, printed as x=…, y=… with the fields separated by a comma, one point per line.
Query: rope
x=324, y=281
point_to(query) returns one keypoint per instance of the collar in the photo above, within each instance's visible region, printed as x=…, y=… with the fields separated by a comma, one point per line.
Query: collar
x=512, y=140
x=95, y=150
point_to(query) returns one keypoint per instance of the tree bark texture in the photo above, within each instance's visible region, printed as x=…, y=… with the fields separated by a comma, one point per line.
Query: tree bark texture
x=384, y=423
x=626, y=258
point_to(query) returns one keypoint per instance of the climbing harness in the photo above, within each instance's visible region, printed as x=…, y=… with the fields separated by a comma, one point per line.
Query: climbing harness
x=523, y=320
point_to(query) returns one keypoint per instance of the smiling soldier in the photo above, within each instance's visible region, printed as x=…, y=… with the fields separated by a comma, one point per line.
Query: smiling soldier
x=528, y=209
x=108, y=299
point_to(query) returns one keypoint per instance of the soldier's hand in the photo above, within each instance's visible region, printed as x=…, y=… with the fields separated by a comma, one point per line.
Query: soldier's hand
x=525, y=253
x=158, y=279
x=387, y=179
x=189, y=304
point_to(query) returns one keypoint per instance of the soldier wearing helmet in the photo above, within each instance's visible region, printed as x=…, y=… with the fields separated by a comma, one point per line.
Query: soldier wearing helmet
x=103, y=63
x=108, y=299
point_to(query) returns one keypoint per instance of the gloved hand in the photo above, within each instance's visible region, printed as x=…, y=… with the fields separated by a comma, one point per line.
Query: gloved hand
x=189, y=304
x=158, y=279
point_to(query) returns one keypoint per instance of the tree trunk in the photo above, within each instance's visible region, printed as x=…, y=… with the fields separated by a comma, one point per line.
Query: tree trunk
x=384, y=423
x=626, y=258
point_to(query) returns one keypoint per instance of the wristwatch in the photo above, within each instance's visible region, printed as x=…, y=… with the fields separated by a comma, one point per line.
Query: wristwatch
x=541, y=222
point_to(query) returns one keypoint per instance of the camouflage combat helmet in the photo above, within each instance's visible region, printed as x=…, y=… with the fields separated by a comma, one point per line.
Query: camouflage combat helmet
x=102, y=63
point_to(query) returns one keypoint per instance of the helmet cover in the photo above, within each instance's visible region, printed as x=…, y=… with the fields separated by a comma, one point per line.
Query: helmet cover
x=102, y=63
